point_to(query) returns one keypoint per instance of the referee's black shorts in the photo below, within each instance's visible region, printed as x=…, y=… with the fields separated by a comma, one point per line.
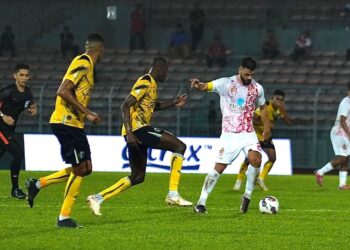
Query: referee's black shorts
x=75, y=147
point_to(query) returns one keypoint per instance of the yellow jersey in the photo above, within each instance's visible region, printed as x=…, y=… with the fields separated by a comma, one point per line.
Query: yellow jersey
x=146, y=94
x=81, y=73
x=273, y=114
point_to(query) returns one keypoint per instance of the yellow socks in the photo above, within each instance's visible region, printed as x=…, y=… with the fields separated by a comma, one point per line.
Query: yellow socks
x=70, y=194
x=175, y=167
x=114, y=190
x=267, y=167
x=242, y=170
x=57, y=177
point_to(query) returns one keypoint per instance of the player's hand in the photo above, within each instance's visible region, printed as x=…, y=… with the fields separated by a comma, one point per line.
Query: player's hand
x=195, y=83
x=93, y=117
x=33, y=110
x=8, y=120
x=181, y=100
x=132, y=141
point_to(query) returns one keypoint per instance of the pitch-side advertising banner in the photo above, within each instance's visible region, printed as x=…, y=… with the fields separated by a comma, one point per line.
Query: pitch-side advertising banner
x=109, y=153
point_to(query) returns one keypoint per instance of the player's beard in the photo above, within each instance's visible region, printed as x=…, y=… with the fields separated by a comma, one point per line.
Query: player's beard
x=245, y=82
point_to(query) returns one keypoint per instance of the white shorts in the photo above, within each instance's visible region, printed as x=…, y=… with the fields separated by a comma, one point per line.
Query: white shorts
x=341, y=145
x=231, y=144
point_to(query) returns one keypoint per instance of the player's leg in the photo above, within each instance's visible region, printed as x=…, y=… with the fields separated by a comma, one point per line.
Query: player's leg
x=138, y=162
x=225, y=156
x=65, y=137
x=343, y=174
x=269, y=149
x=208, y=186
x=80, y=170
x=253, y=153
x=241, y=173
x=16, y=152
x=340, y=145
x=171, y=143
x=35, y=185
x=8, y=142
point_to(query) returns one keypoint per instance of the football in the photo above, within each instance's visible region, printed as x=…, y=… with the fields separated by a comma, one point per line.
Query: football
x=269, y=205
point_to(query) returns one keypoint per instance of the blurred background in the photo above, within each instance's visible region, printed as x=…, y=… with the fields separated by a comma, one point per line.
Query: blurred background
x=300, y=47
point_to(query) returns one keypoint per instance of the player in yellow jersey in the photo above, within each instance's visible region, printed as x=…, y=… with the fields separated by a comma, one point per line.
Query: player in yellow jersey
x=275, y=108
x=67, y=123
x=137, y=110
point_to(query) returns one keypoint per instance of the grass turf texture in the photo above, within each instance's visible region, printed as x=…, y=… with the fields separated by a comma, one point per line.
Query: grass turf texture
x=310, y=217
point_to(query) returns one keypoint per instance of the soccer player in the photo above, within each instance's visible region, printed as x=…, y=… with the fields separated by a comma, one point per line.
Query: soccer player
x=67, y=123
x=137, y=110
x=238, y=95
x=14, y=99
x=340, y=136
x=275, y=109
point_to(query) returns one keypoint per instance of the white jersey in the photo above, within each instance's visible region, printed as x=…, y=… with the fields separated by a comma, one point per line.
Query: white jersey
x=237, y=103
x=343, y=110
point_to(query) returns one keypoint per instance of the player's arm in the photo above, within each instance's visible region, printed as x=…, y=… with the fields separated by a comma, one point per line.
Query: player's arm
x=179, y=101
x=266, y=121
x=200, y=86
x=129, y=101
x=344, y=125
x=65, y=91
x=32, y=109
x=4, y=93
x=284, y=115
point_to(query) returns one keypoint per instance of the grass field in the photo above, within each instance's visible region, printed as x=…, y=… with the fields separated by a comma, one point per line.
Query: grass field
x=310, y=217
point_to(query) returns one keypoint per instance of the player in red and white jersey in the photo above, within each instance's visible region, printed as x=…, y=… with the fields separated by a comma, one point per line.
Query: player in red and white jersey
x=340, y=136
x=238, y=96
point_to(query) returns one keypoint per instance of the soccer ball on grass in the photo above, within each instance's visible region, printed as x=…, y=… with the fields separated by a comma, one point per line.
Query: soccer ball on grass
x=269, y=205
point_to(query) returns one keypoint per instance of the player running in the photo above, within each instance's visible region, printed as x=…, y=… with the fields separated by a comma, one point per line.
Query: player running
x=275, y=109
x=67, y=123
x=340, y=136
x=137, y=110
x=238, y=95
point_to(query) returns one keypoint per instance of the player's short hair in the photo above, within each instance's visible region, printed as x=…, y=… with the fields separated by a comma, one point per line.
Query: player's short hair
x=159, y=61
x=248, y=63
x=278, y=92
x=20, y=66
x=95, y=37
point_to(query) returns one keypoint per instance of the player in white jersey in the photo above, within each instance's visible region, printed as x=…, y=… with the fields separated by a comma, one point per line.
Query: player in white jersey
x=340, y=136
x=238, y=96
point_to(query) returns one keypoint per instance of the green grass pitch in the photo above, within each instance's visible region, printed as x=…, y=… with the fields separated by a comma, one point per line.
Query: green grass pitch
x=310, y=217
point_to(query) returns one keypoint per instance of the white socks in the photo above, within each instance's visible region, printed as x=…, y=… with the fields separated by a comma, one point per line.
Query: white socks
x=173, y=194
x=252, y=174
x=208, y=185
x=325, y=169
x=342, y=178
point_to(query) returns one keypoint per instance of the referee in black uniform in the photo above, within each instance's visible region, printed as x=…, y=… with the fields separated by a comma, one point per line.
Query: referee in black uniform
x=14, y=99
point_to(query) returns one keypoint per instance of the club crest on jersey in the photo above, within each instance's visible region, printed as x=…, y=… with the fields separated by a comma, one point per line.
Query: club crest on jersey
x=233, y=90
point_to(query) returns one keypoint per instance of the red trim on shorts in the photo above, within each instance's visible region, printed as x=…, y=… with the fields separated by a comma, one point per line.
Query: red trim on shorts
x=3, y=138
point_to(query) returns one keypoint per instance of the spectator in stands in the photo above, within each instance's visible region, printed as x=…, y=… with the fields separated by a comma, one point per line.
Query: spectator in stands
x=346, y=10
x=179, y=43
x=216, y=53
x=8, y=41
x=197, y=20
x=67, y=44
x=302, y=46
x=270, y=45
x=138, y=27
